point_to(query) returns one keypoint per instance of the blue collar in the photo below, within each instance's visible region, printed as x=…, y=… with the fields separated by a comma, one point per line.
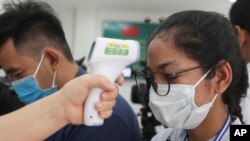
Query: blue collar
x=80, y=72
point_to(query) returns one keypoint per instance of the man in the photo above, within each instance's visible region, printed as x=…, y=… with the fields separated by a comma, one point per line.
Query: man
x=240, y=18
x=35, y=54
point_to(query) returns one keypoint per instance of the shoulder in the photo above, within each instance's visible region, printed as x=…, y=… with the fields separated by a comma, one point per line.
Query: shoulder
x=123, y=111
x=124, y=119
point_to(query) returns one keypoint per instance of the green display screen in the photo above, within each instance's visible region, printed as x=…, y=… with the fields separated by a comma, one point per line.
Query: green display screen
x=130, y=30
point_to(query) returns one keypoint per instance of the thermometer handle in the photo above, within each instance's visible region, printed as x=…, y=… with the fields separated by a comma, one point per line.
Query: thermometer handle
x=91, y=117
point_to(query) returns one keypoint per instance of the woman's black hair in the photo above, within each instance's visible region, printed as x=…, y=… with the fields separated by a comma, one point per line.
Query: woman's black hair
x=209, y=38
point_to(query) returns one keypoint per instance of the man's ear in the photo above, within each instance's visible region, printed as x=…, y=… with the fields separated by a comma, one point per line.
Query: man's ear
x=53, y=56
x=242, y=34
x=223, y=76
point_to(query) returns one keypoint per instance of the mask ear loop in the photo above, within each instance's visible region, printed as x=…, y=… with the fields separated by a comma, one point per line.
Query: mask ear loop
x=214, y=98
x=40, y=62
x=198, y=82
x=54, y=79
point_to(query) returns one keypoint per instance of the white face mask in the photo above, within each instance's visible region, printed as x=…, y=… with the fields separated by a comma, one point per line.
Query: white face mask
x=178, y=108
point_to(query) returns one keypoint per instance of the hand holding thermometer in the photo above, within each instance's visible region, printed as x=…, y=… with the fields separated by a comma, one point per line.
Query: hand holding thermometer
x=107, y=57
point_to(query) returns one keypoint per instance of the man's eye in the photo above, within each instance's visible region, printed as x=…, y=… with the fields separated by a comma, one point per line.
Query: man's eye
x=16, y=76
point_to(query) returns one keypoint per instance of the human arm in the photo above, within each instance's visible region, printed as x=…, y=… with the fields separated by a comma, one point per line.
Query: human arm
x=40, y=119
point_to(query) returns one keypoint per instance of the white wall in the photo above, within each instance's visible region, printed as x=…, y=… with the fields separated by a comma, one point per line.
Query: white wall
x=67, y=17
x=89, y=25
x=85, y=31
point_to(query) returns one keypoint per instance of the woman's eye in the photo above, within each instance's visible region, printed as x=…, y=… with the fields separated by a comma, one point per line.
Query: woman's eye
x=172, y=78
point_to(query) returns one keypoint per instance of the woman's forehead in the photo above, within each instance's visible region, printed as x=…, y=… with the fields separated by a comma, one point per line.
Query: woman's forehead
x=162, y=52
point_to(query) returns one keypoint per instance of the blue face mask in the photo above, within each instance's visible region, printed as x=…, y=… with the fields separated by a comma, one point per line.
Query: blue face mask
x=28, y=89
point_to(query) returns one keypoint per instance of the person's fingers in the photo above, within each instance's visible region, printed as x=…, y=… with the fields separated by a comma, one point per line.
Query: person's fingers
x=105, y=114
x=105, y=105
x=120, y=80
x=109, y=95
x=75, y=91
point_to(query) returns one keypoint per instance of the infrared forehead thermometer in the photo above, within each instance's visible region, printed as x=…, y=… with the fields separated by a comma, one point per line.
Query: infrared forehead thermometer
x=107, y=57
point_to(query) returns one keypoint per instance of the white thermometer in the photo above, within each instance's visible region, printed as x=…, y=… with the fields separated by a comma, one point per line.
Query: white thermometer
x=107, y=57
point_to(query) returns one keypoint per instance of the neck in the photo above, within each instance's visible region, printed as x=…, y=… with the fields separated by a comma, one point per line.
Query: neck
x=212, y=123
x=66, y=73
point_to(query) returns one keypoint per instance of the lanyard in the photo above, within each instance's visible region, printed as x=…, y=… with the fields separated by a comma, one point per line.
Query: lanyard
x=221, y=132
x=223, y=129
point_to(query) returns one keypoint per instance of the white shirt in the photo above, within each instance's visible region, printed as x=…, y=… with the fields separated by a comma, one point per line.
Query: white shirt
x=170, y=134
x=245, y=102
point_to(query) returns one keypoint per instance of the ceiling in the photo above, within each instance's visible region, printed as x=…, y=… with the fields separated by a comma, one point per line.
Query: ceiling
x=221, y=6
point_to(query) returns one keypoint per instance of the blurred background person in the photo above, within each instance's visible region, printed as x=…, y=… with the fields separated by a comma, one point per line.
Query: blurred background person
x=239, y=15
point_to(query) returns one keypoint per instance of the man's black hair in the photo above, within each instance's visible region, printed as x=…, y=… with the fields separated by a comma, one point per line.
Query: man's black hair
x=32, y=25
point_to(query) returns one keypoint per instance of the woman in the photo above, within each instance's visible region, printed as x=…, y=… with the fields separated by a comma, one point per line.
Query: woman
x=196, y=77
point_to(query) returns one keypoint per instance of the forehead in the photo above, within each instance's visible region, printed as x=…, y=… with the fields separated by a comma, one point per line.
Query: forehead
x=9, y=57
x=162, y=51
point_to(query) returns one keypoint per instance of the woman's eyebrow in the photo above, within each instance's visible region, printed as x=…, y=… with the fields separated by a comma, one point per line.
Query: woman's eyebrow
x=165, y=64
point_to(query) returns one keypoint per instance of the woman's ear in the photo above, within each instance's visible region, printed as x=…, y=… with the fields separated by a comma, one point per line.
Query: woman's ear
x=53, y=57
x=223, y=76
